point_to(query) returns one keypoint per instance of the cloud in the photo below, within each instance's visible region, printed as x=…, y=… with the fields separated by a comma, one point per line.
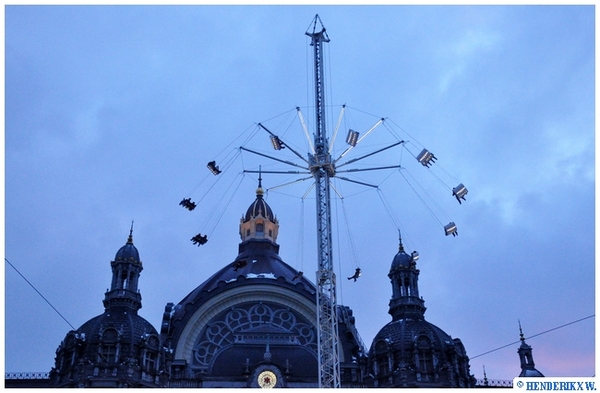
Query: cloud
x=458, y=56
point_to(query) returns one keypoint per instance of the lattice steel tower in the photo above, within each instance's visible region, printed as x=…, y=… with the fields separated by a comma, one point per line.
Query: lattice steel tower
x=322, y=168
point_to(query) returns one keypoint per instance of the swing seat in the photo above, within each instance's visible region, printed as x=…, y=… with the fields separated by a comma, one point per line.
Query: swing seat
x=352, y=138
x=276, y=142
x=426, y=158
x=212, y=166
x=459, y=192
x=450, y=229
x=414, y=256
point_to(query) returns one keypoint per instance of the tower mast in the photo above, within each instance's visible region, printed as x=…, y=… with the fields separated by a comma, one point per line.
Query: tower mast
x=322, y=168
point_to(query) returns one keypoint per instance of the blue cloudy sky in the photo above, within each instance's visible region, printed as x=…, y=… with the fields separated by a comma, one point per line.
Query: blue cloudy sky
x=112, y=113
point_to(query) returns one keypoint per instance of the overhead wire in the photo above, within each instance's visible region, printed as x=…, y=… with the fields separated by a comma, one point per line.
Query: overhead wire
x=535, y=335
x=39, y=293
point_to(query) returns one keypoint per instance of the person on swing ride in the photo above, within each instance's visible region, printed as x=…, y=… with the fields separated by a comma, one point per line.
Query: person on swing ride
x=199, y=239
x=356, y=275
x=188, y=204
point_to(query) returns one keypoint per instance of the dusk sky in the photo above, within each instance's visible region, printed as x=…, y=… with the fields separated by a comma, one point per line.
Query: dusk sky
x=112, y=113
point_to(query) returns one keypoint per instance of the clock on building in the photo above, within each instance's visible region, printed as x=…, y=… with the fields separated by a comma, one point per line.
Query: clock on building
x=267, y=379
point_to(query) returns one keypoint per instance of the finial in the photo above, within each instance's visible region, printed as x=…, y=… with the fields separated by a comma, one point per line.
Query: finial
x=259, y=191
x=130, y=239
x=267, y=356
x=485, y=380
x=401, y=246
x=260, y=176
x=521, y=332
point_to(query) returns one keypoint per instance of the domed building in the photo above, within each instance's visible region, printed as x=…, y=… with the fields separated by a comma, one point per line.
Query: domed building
x=118, y=348
x=409, y=351
x=253, y=323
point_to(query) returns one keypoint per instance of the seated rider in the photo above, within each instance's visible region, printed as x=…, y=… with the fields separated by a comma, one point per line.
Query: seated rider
x=356, y=274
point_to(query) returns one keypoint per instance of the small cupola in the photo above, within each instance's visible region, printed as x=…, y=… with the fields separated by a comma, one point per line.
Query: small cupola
x=404, y=276
x=259, y=222
x=126, y=269
x=526, y=356
x=128, y=252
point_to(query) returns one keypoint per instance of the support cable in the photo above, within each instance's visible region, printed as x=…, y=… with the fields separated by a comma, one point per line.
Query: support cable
x=305, y=129
x=39, y=293
x=395, y=220
x=300, y=243
x=422, y=200
x=337, y=127
x=227, y=165
x=435, y=175
x=227, y=160
x=350, y=239
x=430, y=198
x=403, y=130
x=211, y=227
x=226, y=205
x=340, y=286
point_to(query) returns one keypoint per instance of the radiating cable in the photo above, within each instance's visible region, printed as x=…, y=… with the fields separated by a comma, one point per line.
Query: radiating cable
x=429, y=196
x=422, y=200
x=207, y=222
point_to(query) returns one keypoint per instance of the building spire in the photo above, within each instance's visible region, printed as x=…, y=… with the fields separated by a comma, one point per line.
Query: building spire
x=401, y=246
x=130, y=238
x=521, y=332
x=259, y=191
x=485, y=379
x=526, y=356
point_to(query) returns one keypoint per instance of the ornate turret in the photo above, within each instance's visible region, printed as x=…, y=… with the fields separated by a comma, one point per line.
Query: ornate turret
x=126, y=269
x=259, y=222
x=525, y=354
x=404, y=275
x=117, y=348
x=410, y=351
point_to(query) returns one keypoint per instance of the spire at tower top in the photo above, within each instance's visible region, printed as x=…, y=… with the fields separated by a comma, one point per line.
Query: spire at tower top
x=401, y=246
x=130, y=238
x=259, y=191
x=526, y=356
x=522, y=337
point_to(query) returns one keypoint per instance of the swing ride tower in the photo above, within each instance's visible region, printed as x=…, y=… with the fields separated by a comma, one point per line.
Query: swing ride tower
x=322, y=168
x=319, y=166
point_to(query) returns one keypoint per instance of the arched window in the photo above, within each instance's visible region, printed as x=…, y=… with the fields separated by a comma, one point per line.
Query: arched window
x=149, y=361
x=107, y=353
x=260, y=229
x=382, y=358
x=425, y=354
